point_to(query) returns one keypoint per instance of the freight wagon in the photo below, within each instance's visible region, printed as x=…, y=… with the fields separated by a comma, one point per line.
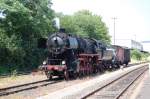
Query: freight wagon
x=122, y=55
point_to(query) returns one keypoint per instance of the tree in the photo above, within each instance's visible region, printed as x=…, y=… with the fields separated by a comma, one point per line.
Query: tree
x=27, y=17
x=85, y=24
x=25, y=21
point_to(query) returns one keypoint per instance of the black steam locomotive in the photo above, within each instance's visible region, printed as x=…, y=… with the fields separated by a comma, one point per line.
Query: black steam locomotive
x=73, y=56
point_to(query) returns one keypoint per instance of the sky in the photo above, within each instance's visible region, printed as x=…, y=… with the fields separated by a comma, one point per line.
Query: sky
x=133, y=16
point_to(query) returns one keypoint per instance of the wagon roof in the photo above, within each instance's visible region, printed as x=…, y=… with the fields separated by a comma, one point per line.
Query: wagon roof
x=120, y=46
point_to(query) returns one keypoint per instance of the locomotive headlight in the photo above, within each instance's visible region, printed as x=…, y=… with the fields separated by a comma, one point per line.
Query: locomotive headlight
x=44, y=62
x=63, y=62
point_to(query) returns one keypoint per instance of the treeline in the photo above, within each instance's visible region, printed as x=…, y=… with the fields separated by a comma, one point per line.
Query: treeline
x=23, y=22
x=85, y=24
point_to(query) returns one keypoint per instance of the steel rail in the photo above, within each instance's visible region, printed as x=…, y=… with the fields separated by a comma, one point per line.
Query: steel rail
x=11, y=87
x=93, y=92
x=25, y=87
x=131, y=83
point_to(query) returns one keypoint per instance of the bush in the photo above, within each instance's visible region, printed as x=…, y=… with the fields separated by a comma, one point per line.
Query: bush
x=140, y=56
x=135, y=54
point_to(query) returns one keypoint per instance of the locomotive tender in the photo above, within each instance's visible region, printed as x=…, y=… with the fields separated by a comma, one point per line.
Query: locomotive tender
x=72, y=56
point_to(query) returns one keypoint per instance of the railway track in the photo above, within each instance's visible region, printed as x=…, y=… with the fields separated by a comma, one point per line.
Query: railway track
x=25, y=87
x=116, y=88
